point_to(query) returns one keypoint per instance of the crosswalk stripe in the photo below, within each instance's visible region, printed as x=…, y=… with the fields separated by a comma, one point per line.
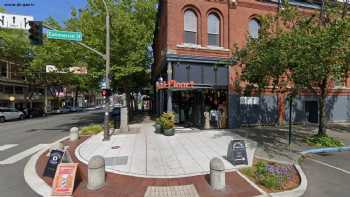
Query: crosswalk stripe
x=7, y=146
x=15, y=158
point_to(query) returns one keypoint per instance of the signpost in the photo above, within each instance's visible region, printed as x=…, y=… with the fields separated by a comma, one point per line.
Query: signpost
x=54, y=160
x=63, y=183
x=237, y=153
x=64, y=35
x=12, y=21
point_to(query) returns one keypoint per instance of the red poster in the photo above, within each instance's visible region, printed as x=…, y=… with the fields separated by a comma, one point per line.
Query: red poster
x=63, y=183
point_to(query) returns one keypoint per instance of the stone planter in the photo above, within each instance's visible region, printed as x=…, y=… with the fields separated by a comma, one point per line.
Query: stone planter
x=169, y=132
x=158, y=128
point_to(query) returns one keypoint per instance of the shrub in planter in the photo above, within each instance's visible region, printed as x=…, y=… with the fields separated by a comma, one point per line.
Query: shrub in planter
x=324, y=141
x=168, y=123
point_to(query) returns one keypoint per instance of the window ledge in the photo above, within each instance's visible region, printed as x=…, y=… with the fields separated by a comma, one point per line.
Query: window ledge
x=196, y=46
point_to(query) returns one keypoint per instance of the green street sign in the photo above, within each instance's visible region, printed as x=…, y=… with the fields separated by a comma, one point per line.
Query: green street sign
x=64, y=35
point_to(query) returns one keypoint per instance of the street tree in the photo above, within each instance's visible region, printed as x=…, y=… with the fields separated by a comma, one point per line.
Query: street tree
x=300, y=53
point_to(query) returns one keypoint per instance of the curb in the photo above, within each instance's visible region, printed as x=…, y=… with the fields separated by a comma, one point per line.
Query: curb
x=326, y=150
x=296, y=192
x=31, y=177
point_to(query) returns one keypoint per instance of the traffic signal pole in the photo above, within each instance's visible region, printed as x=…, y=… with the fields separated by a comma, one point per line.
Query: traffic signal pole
x=106, y=135
x=106, y=120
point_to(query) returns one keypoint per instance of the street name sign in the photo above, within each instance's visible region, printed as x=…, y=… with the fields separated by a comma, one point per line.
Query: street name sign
x=64, y=35
x=12, y=21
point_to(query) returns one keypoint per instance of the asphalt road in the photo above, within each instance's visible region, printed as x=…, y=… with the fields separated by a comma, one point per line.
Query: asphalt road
x=328, y=175
x=19, y=136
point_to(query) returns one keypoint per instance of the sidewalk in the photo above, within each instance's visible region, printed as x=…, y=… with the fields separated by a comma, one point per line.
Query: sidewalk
x=151, y=155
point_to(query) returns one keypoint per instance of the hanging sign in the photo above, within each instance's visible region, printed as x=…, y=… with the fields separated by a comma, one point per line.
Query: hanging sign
x=63, y=183
x=173, y=84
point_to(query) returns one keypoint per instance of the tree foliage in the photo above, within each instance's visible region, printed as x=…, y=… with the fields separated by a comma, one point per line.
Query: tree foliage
x=297, y=52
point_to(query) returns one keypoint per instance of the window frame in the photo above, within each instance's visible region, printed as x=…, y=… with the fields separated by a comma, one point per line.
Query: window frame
x=257, y=21
x=187, y=10
x=218, y=17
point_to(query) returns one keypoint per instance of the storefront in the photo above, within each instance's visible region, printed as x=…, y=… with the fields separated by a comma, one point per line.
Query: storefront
x=196, y=92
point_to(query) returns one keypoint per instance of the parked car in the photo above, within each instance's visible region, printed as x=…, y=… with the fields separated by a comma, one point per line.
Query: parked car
x=76, y=109
x=63, y=110
x=36, y=112
x=10, y=114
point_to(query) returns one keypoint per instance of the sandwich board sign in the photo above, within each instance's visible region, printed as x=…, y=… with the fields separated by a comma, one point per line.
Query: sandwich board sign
x=54, y=159
x=63, y=183
x=237, y=153
x=14, y=21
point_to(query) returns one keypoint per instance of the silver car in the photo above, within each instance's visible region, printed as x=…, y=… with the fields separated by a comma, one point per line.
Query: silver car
x=10, y=114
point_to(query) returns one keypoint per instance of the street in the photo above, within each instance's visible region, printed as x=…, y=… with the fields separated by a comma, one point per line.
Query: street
x=20, y=139
x=327, y=175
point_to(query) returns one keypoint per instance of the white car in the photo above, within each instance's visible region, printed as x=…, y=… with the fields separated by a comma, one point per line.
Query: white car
x=10, y=114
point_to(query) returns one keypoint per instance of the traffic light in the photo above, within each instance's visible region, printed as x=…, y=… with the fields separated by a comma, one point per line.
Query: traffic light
x=106, y=92
x=36, y=32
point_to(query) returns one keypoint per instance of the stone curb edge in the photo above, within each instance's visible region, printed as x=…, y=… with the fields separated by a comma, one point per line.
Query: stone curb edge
x=31, y=177
x=326, y=150
x=296, y=192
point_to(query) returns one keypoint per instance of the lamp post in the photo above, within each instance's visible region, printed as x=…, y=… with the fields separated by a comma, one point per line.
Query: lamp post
x=106, y=118
x=12, y=101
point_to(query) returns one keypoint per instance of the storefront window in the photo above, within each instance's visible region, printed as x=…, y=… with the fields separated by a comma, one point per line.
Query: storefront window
x=3, y=69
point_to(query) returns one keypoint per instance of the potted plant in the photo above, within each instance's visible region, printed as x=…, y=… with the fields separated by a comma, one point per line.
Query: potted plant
x=168, y=123
x=158, y=125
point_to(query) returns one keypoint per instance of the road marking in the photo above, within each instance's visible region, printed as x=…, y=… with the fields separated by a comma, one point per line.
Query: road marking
x=7, y=146
x=15, y=158
x=328, y=165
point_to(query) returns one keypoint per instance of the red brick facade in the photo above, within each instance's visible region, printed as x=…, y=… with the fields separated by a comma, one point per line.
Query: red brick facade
x=234, y=19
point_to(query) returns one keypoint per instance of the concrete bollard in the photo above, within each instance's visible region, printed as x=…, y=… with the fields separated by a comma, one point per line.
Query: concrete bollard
x=217, y=174
x=96, y=173
x=74, y=134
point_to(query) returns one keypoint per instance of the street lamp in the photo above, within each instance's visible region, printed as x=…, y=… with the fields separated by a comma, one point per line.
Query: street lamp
x=106, y=119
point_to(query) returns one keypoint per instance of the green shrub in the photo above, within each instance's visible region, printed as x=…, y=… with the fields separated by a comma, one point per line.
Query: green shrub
x=167, y=120
x=270, y=181
x=91, y=129
x=324, y=141
x=261, y=169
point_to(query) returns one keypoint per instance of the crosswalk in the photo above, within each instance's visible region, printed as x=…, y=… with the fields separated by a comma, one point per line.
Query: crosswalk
x=7, y=146
x=21, y=155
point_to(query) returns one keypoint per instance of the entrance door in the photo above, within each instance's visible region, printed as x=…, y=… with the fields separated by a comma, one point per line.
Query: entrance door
x=311, y=111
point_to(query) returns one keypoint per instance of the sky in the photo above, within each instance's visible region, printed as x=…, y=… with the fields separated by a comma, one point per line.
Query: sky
x=42, y=9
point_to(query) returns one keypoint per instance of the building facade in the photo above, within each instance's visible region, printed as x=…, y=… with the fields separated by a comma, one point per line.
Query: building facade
x=193, y=45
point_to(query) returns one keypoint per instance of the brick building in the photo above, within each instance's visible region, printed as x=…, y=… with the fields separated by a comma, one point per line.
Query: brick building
x=193, y=42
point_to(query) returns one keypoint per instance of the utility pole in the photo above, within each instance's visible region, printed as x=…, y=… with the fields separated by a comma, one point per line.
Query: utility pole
x=106, y=120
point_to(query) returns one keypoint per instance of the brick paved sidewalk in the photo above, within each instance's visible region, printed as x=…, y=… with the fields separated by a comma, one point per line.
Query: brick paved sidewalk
x=123, y=186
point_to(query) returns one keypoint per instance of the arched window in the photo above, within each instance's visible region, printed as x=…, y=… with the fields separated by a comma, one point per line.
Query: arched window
x=254, y=28
x=190, y=27
x=213, y=30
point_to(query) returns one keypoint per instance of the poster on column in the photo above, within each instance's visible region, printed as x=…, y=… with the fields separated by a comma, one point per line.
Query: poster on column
x=63, y=183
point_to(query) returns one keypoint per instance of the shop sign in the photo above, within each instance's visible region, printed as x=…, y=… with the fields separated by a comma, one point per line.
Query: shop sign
x=173, y=84
x=249, y=100
x=63, y=183
x=237, y=153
